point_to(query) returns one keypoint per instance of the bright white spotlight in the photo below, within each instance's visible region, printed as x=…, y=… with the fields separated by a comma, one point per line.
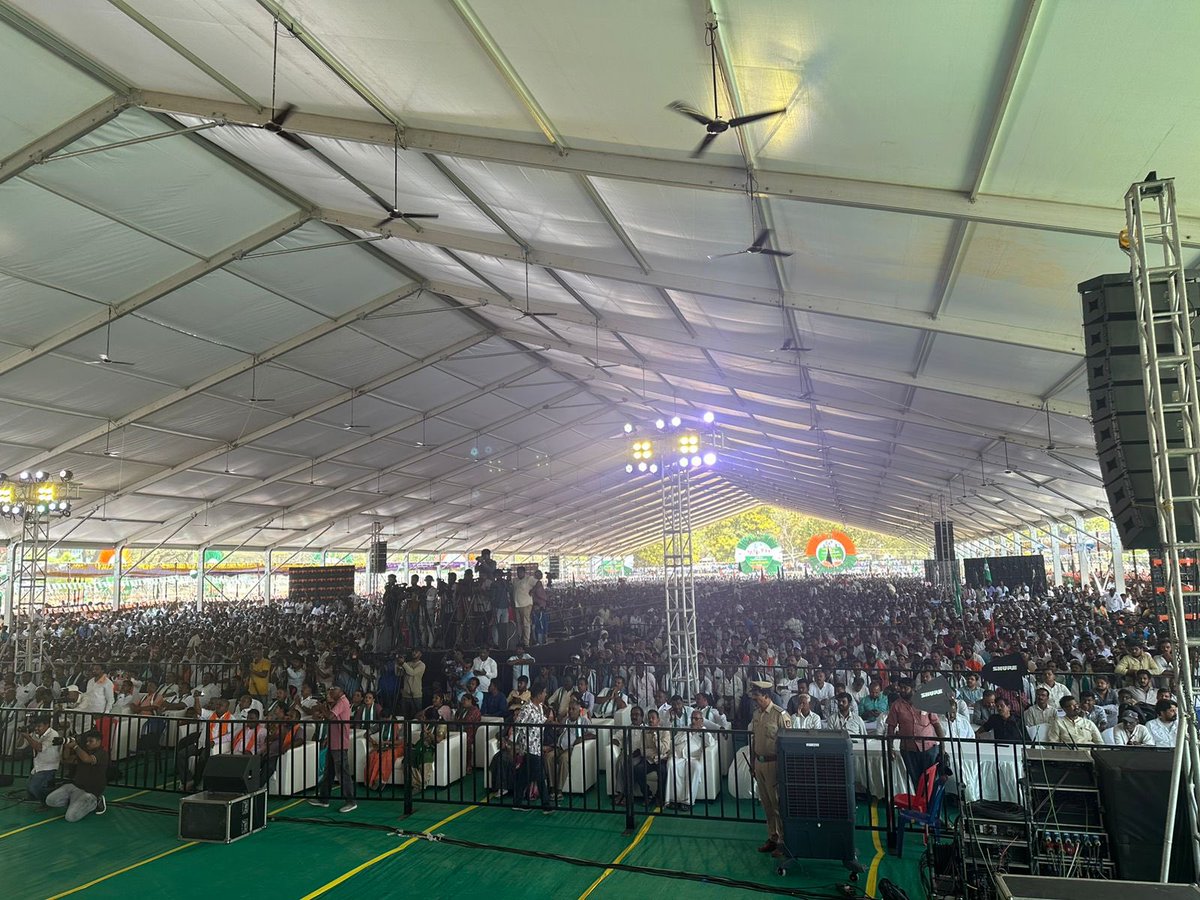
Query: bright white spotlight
x=52, y=505
x=696, y=460
x=628, y=427
x=660, y=424
x=39, y=475
x=24, y=476
x=709, y=418
x=653, y=468
x=629, y=467
x=710, y=459
x=683, y=462
x=66, y=474
x=41, y=507
x=641, y=467
x=676, y=421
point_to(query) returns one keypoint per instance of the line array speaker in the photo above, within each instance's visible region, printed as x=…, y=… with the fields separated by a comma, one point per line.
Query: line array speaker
x=943, y=539
x=1116, y=395
x=378, y=560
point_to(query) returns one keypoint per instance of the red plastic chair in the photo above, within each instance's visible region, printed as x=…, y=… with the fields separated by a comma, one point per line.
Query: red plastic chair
x=919, y=802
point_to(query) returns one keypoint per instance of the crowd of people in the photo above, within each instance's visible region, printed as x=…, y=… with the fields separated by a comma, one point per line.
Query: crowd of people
x=842, y=653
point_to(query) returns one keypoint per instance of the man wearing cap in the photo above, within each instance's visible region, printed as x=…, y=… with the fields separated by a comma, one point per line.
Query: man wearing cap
x=764, y=727
x=1130, y=731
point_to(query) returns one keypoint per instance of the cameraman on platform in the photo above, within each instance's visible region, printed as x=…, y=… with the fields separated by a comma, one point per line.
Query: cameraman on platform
x=85, y=793
x=47, y=754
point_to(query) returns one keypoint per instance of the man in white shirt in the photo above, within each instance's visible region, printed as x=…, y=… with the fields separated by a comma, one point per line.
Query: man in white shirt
x=245, y=705
x=520, y=662
x=47, y=754
x=1130, y=731
x=1072, y=728
x=844, y=718
x=522, y=588
x=1055, y=690
x=714, y=719
x=1164, y=728
x=805, y=717
x=484, y=668
x=1041, y=712
x=821, y=691
x=685, y=771
x=26, y=689
x=643, y=685
x=99, y=692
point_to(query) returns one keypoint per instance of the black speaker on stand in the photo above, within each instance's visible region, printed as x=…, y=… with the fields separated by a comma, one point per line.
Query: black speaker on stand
x=1116, y=395
x=377, y=563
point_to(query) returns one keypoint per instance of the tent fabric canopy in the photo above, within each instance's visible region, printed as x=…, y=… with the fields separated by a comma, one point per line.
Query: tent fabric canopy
x=941, y=193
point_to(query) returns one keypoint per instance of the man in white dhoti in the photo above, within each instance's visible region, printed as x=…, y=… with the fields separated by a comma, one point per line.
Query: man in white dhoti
x=685, y=771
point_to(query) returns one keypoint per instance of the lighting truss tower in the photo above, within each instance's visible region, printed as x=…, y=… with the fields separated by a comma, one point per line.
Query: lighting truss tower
x=1169, y=378
x=679, y=580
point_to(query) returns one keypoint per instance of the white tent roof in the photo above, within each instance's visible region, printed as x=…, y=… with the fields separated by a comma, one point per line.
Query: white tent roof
x=944, y=175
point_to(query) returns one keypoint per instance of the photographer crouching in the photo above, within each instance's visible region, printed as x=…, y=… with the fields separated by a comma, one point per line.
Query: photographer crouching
x=46, y=745
x=85, y=792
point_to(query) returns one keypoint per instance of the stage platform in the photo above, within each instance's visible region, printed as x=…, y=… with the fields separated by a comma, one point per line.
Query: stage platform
x=133, y=851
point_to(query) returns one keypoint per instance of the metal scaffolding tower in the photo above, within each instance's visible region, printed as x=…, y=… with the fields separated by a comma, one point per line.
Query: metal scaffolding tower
x=1169, y=373
x=29, y=571
x=679, y=580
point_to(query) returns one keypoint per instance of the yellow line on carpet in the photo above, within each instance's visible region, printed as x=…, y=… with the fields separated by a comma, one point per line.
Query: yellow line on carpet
x=56, y=818
x=282, y=808
x=122, y=871
x=382, y=856
x=624, y=853
x=873, y=875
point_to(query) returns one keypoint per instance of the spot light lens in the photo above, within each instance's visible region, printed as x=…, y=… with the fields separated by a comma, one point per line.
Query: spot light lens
x=628, y=467
x=66, y=474
x=24, y=476
x=710, y=459
x=39, y=475
x=653, y=468
x=660, y=424
x=709, y=418
x=676, y=421
x=683, y=462
x=628, y=426
x=696, y=460
x=641, y=467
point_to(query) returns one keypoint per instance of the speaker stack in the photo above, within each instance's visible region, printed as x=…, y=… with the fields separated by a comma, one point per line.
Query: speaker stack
x=378, y=558
x=1117, y=399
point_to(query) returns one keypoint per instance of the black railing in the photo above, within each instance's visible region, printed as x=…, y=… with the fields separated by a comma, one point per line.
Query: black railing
x=595, y=766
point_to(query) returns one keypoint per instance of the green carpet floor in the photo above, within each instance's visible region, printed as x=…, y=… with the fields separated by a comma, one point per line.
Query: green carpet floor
x=133, y=852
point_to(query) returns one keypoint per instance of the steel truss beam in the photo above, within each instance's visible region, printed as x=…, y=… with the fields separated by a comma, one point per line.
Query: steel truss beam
x=63, y=136
x=991, y=209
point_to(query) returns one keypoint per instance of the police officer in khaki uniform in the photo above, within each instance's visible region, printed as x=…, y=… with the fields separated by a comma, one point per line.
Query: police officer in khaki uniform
x=768, y=719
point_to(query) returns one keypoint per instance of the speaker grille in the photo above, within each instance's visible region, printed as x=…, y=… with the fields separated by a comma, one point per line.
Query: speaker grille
x=816, y=787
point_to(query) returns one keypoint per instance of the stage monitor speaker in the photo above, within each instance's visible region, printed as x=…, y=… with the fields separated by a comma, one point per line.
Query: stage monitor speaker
x=378, y=560
x=1116, y=396
x=233, y=773
x=552, y=567
x=943, y=540
x=816, y=795
x=1134, y=786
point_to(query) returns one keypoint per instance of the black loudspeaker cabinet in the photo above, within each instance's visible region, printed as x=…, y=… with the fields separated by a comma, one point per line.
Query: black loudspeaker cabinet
x=816, y=796
x=553, y=565
x=1134, y=785
x=378, y=560
x=1008, y=570
x=233, y=773
x=1116, y=395
x=943, y=540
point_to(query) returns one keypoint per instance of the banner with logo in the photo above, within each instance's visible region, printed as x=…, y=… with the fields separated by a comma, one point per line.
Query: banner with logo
x=832, y=551
x=758, y=553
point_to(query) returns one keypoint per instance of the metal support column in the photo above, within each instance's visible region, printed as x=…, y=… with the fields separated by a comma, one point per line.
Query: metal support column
x=118, y=575
x=267, y=574
x=1165, y=339
x=10, y=581
x=679, y=582
x=1056, y=555
x=30, y=571
x=201, y=578
x=1118, y=564
x=1081, y=553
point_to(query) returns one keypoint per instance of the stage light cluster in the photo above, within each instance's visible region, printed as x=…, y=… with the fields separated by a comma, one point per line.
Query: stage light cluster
x=36, y=493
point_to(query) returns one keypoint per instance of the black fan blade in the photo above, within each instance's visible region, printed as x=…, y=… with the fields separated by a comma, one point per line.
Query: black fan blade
x=723, y=255
x=538, y=315
x=405, y=215
x=754, y=117
x=767, y=251
x=686, y=109
x=761, y=239
x=280, y=117
x=295, y=140
x=708, y=139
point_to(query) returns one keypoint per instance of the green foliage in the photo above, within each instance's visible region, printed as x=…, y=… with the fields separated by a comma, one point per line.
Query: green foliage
x=718, y=540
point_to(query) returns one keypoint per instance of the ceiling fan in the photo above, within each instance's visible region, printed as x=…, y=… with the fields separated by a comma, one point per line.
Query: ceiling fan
x=790, y=346
x=716, y=125
x=350, y=426
x=104, y=359
x=759, y=245
x=525, y=313
x=254, y=398
x=280, y=116
x=394, y=212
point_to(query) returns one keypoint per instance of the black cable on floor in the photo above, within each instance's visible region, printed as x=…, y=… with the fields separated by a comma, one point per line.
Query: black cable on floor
x=718, y=880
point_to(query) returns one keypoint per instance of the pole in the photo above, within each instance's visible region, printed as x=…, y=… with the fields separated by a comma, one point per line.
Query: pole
x=1118, y=564
x=201, y=579
x=10, y=580
x=118, y=575
x=1056, y=555
x=267, y=575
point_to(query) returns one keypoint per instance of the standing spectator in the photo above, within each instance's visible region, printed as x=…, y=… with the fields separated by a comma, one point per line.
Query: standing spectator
x=917, y=731
x=337, y=760
x=768, y=720
x=412, y=690
x=522, y=588
x=47, y=754
x=260, y=676
x=541, y=610
x=484, y=668
x=530, y=720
